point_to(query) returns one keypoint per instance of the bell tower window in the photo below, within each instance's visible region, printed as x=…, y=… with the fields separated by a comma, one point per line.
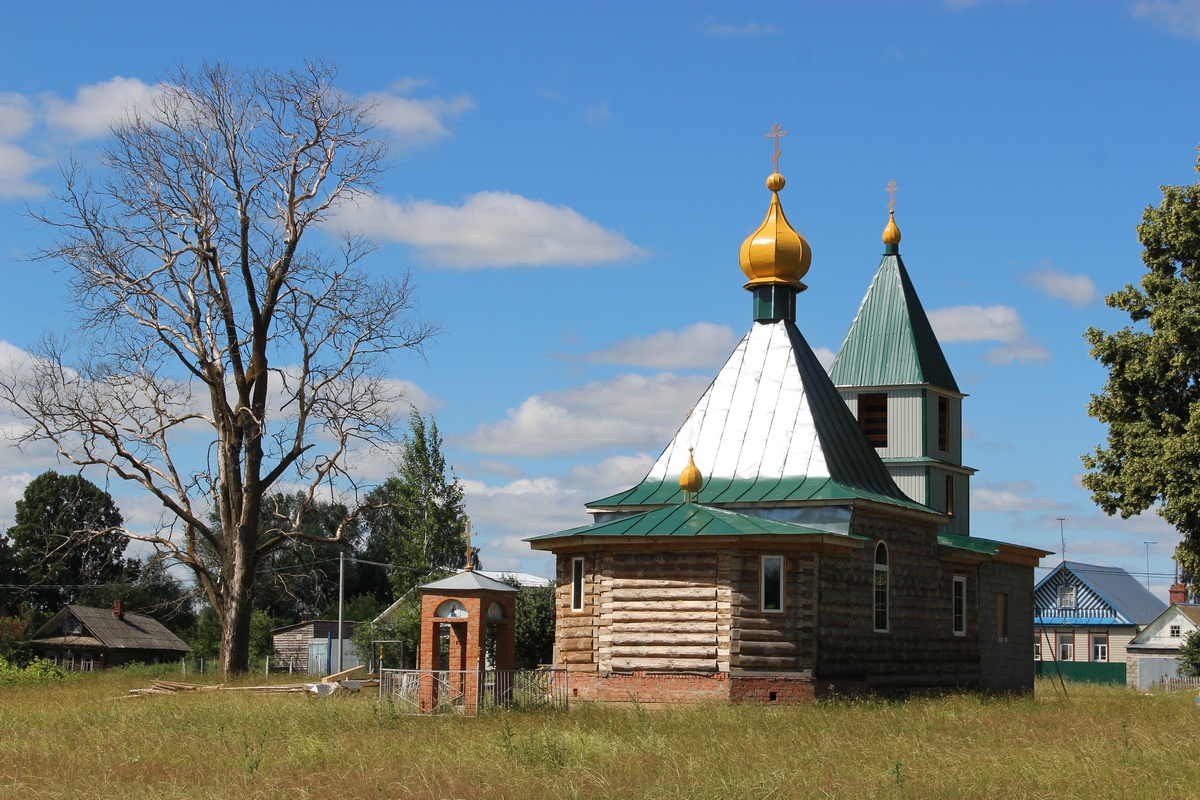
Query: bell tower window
x=872, y=417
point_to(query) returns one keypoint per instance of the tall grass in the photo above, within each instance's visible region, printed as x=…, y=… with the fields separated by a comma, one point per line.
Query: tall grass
x=78, y=739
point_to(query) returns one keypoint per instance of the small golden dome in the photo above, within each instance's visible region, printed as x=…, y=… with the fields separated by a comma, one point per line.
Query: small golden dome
x=775, y=253
x=891, y=234
x=690, y=479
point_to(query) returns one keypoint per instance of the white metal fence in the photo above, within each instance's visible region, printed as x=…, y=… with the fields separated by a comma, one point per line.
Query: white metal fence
x=468, y=692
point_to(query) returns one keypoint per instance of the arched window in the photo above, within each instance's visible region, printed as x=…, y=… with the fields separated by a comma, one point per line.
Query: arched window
x=495, y=611
x=451, y=609
x=881, y=587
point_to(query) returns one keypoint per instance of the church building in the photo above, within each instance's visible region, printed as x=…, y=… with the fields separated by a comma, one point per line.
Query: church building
x=803, y=532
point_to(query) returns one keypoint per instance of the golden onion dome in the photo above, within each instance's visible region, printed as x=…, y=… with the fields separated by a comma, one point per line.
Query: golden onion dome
x=775, y=253
x=891, y=234
x=690, y=479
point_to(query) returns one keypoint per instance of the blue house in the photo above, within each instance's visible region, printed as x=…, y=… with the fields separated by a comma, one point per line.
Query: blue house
x=1086, y=614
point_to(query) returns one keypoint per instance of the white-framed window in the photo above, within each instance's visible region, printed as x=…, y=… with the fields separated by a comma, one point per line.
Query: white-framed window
x=1099, y=648
x=577, y=584
x=1037, y=649
x=881, y=587
x=960, y=605
x=1066, y=645
x=85, y=663
x=1066, y=596
x=1176, y=632
x=770, y=584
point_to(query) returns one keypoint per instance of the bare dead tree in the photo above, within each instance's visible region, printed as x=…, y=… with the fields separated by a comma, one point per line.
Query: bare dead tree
x=215, y=357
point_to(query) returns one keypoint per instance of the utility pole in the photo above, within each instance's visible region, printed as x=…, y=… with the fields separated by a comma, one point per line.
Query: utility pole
x=1062, y=536
x=1148, y=562
x=341, y=604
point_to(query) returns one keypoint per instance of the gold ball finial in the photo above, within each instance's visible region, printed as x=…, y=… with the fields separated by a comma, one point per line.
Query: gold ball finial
x=891, y=234
x=775, y=182
x=690, y=479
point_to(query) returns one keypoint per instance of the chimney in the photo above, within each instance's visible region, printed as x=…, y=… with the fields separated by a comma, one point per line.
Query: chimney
x=1178, y=593
x=118, y=609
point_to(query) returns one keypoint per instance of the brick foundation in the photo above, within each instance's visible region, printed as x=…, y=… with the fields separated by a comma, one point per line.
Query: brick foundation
x=662, y=687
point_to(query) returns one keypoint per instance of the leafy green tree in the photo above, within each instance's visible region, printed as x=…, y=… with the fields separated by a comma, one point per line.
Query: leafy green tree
x=418, y=512
x=1189, y=656
x=66, y=542
x=1151, y=401
x=535, y=626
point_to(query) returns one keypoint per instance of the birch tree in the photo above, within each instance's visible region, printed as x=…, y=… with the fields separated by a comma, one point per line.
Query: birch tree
x=225, y=347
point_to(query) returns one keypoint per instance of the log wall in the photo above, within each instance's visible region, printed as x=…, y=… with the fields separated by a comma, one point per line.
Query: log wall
x=920, y=647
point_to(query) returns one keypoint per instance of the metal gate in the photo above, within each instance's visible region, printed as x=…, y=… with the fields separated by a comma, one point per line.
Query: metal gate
x=467, y=692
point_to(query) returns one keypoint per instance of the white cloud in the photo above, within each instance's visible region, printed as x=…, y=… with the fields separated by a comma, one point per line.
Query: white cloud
x=1025, y=352
x=598, y=113
x=416, y=121
x=977, y=324
x=16, y=165
x=97, y=106
x=1078, y=290
x=490, y=229
x=1181, y=17
x=626, y=411
x=16, y=115
x=1007, y=497
x=825, y=356
x=701, y=345
x=988, y=324
x=718, y=28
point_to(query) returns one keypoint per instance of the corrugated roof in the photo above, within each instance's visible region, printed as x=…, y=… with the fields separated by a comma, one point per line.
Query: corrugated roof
x=134, y=632
x=1128, y=601
x=690, y=519
x=770, y=428
x=467, y=582
x=890, y=342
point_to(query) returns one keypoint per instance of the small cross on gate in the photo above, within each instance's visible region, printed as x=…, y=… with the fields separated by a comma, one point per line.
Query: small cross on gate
x=891, y=190
x=776, y=131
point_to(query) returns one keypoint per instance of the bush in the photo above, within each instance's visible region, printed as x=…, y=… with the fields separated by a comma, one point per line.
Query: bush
x=38, y=671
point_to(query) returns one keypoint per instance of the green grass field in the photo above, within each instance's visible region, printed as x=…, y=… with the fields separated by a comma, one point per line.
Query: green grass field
x=80, y=738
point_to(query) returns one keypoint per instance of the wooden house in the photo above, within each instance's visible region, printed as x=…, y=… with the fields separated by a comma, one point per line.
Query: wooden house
x=83, y=638
x=769, y=554
x=1088, y=614
x=1153, y=653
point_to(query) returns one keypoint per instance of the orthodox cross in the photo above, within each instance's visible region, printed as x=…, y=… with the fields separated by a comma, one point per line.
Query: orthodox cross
x=891, y=190
x=776, y=131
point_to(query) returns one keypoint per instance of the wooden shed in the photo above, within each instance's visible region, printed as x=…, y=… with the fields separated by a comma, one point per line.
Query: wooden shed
x=291, y=645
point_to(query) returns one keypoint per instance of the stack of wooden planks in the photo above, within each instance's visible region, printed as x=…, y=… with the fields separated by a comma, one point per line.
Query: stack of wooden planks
x=339, y=681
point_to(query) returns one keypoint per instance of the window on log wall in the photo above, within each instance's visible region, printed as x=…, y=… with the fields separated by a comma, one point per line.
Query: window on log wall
x=960, y=606
x=881, y=588
x=872, y=418
x=770, y=582
x=577, y=584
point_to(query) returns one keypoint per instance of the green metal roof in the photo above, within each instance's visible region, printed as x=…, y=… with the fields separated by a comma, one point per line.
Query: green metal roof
x=690, y=519
x=890, y=342
x=972, y=543
x=774, y=490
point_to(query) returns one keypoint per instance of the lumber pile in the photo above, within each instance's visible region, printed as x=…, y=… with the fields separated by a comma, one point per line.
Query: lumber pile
x=338, y=682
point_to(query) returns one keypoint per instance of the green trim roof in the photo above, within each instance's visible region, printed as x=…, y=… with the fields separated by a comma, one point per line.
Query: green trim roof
x=890, y=342
x=972, y=543
x=690, y=519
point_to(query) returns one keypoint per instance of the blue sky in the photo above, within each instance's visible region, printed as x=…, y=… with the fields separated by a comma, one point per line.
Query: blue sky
x=573, y=181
